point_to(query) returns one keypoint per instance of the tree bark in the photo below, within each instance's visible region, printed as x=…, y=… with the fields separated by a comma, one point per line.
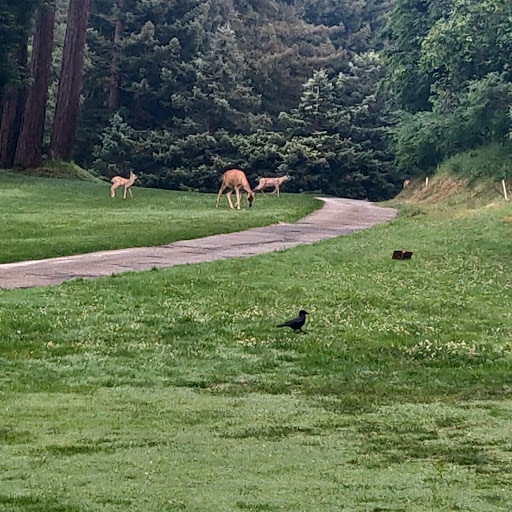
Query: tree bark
x=113, y=97
x=70, y=82
x=30, y=143
x=13, y=101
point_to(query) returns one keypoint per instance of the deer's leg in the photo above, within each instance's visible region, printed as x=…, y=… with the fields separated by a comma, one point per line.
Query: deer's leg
x=113, y=190
x=130, y=190
x=222, y=187
x=237, y=192
x=277, y=188
x=228, y=195
x=125, y=191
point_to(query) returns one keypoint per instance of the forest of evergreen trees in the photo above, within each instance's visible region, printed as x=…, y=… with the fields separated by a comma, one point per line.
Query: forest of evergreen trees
x=347, y=96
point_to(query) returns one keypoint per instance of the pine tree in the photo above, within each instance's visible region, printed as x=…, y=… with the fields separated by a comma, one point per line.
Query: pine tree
x=202, y=82
x=221, y=97
x=316, y=103
x=282, y=49
x=114, y=154
x=337, y=135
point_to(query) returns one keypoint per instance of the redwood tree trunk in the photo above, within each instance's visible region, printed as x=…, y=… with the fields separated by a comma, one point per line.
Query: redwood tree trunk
x=13, y=100
x=30, y=143
x=113, y=97
x=70, y=82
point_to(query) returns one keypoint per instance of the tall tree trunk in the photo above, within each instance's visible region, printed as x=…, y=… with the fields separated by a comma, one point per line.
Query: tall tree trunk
x=113, y=97
x=13, y=101
x=30, y=143
x=70, y=82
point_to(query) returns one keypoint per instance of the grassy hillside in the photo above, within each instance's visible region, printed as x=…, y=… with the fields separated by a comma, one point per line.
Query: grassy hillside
x=469, y=180
x=43, y=217
x=173, y=390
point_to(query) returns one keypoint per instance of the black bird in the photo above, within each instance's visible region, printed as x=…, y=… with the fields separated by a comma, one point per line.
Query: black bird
x=296, y=323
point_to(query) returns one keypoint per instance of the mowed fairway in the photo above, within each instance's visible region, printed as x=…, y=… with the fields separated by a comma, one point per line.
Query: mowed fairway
x=43, y=218
x=172, y=389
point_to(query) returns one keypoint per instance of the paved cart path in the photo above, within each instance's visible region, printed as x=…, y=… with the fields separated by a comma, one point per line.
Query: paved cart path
x=337, y=217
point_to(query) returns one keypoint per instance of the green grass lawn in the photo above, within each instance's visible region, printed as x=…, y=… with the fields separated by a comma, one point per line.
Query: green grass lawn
x=42, y=217
x=173, y=390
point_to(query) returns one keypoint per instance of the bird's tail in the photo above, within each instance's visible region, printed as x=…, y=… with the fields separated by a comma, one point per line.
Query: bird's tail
x=281, y=325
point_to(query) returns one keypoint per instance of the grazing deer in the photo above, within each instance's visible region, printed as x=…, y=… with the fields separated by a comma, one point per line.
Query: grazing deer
x=271, y=182
x=235, y=179
x=119, y=181
x=406, y=183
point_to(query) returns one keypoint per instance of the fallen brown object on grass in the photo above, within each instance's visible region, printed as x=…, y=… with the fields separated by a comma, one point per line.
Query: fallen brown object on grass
x=402, y=255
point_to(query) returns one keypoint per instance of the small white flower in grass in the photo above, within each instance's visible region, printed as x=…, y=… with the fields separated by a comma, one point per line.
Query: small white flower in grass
x=247, y=342
x=438, y=350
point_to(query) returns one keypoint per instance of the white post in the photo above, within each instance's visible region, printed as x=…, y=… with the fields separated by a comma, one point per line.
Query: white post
x=504, y=189
x=426, y=182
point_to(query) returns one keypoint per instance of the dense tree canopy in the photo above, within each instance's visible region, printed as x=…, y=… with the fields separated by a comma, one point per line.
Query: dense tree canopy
x=15, y=18
x=347, y=96
x=450, y=75
x=205, y=85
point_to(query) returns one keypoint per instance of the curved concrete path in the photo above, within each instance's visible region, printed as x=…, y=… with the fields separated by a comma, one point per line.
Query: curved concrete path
x=337, y=217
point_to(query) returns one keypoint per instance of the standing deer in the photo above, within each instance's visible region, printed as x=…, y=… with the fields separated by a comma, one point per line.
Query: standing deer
x=272, y=182
x=119, y=181
x=236, y=180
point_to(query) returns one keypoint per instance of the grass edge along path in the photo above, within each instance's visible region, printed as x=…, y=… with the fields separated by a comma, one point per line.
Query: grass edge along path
x=44, y=218
x=337, y=217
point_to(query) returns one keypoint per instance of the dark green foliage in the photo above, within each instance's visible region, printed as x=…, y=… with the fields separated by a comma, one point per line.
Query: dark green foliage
x=192, y=162
x=208, y=85
x=334, y=142
x=285, y=86
x=424, y=139
x=355, y=24
x=484, y=108
x=15, y=18
x=221, y=97
x=418, y=140
x=490, y=161
x=408, y=83
x=449, y=66
x=339, y=129
x=117, y=145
